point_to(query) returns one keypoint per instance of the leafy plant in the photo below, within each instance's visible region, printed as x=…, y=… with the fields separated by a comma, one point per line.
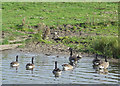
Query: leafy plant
x=107, y=46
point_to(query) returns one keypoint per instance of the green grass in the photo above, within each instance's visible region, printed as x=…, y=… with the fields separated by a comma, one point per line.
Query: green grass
x=101, y=17
x=21, y=46
x=95, y=44
x=55, y=13
x=5, y=41
x=91, y=18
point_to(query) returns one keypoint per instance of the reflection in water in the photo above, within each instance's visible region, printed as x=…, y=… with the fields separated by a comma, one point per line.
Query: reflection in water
x=13, y=67
x=56, y=74
x=102, y=71
x=30, y=70
x=95, y=67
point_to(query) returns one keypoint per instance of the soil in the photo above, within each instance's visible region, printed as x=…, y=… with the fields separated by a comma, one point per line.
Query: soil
x=57, y=50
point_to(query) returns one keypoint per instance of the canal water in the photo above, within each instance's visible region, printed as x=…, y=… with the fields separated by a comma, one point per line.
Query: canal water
x=83, y=73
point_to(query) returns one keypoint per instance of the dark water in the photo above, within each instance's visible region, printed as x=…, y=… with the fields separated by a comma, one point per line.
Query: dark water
x=42, y=73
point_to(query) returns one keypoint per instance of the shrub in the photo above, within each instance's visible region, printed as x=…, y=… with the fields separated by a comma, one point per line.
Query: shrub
x=107, y=46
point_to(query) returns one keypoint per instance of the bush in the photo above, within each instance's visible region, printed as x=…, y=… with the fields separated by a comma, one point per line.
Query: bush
x=107, y=46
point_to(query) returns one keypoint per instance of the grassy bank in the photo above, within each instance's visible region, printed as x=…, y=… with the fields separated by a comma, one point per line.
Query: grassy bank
x=86, y=27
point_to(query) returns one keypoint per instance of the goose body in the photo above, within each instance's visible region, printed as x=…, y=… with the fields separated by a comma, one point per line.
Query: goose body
x=96, y=61
x=30, y=65
x=74, y=58
x=104, y=64
x=56, y=71
x=68, y=66
x=15, y=63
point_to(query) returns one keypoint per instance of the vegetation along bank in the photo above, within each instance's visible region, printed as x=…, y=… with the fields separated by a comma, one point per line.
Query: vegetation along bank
x=86, y=27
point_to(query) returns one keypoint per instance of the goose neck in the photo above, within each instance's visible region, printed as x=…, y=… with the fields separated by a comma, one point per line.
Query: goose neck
x=16, y=58
x=32, y=60
x=71, y=53
x=56, y=65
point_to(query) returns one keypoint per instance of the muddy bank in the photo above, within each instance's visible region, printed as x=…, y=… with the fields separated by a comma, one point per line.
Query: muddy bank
x=57, y=50
x=47, y=50
x=9, y=46
x=50, y=49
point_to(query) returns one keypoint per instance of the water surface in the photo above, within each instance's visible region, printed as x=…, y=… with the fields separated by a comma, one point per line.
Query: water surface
x=44, y=65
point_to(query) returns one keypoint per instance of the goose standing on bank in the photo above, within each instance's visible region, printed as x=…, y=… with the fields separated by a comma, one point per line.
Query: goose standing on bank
x=15, y=63
x=56, y=71
x=30, y=66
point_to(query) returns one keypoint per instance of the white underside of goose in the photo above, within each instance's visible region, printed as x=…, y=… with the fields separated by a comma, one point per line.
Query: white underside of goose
x=67, y=68
x=96, y=63
x=14, y=65
x=101, y=66
x=29, y=67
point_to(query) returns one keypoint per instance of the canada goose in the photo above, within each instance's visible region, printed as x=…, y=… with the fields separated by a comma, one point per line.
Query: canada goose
x=104, y=64
x=74, y=58
x=96, y=61
x=30, y=66
x=15, y=63
x=68, y=66
x=57, y=71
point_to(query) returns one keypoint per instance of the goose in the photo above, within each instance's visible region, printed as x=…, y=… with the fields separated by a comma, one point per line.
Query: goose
x=30, y=65
x=15, y=63
x=69, y=66
x=96, y=61
x=74, y=58
x=104, y=64
x=56, y=71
